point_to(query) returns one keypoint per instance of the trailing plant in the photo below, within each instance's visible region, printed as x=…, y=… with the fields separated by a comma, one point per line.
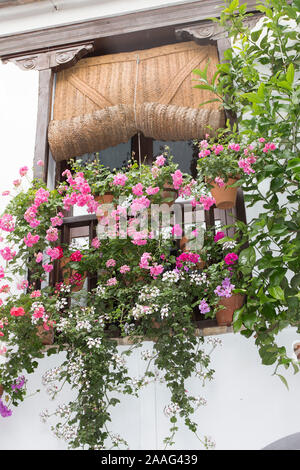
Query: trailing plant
x=259, y=84
x=146, y=290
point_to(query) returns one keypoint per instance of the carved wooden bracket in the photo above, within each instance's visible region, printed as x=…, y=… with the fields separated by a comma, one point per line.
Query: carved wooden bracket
x=210, y=30
x=55, y=59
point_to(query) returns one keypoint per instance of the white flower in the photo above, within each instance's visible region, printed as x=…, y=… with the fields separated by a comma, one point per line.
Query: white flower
x=198, y=279
x=214, y=341
x=83, y=325
x=94, y=342
x=149, y=293
x=147, y=354
x=172, y=409
x=229, y=245
x=44, y=415
x=171, y=276
x=141, y=310
x=164, y=311
x=63, y=410
x=209, y=443
x=120, y=360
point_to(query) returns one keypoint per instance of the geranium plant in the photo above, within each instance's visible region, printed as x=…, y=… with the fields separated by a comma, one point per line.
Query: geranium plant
x=138, y=273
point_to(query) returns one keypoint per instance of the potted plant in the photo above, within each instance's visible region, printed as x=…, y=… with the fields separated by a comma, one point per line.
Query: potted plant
x=143, y=292
x=218, y=166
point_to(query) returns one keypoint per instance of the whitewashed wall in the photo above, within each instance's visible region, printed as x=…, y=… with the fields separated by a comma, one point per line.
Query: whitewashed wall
x=247, y=407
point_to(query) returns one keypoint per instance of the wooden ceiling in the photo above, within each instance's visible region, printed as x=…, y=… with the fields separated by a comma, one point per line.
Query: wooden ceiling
x=10, y=3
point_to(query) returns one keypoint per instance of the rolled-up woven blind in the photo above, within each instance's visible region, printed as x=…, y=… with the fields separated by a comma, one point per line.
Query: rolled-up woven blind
x=103, y=101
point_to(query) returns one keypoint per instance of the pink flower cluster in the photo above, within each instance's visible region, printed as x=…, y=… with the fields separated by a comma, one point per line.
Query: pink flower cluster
x=155, y=269
x=120, y=179
x=31, y=240
x=76, y=256
x=57, y=220
x=177, y=179
x=160, y=160
x=206, y=201
x=225, y=290
x=80, y=193
x=187, y=257
x=7, y=253
x=231, y=258
x=139, y=204
x=219, y=236
x=245, y=164
x=269, y=146
x=7, y=223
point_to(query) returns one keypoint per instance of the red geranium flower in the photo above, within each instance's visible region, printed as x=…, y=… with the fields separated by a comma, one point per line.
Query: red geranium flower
x=17, y=311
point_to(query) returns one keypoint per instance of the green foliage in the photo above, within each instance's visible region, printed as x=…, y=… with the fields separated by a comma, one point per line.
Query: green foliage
x=260, y=85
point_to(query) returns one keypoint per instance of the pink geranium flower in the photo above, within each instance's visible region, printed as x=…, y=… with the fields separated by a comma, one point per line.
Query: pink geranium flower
x=39, y=257
x=219, y=236
x=177, y=230
x=160, y=160
x=112, y=281
x=120, y=179
x=35, y=294
x=17, y=311
x=151, y=191
x=76, y=256
x=156, y=270
x=31, y=240
x=177, y=179
x=231, y=258
x=138, y=189
x=7, y=253
x=110, y=263
x=47, y=267
x=52, y=234
x=96, y=243
x=7, y=223
x=23, y=171
x=124, y=269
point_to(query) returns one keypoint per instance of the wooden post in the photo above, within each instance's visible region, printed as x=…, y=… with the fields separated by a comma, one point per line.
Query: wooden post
x=43, y=116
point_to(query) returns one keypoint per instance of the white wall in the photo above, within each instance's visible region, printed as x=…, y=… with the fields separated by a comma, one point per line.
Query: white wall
x=247, y=407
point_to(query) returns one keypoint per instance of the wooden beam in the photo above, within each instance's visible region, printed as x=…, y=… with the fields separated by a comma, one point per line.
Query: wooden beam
x=41, y=151
x=43, y=39
x=14, y=3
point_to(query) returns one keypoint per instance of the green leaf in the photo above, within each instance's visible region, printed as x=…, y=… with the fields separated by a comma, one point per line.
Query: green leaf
x=277, y=293
x=290, y=73
x=247, y=257
x=283, y=380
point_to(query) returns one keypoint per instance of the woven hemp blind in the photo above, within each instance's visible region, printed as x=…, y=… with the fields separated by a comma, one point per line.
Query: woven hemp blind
x=103, y=101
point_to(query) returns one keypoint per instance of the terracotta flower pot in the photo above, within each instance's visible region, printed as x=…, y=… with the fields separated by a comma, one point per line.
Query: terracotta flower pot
x=47, y=336
x=1, y=390
x=231, y=304
x=225, y=197
x=68, y=272
x=106, y=198
x=169, y=192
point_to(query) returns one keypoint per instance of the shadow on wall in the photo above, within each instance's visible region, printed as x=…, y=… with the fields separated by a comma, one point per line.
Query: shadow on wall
x=291, y=442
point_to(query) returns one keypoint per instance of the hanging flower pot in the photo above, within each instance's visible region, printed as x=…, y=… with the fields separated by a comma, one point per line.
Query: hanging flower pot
x=225, y=196
x=46, y=336
x=224, y=316
x=106, y=198
x=169, y=194
x=70, y=276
